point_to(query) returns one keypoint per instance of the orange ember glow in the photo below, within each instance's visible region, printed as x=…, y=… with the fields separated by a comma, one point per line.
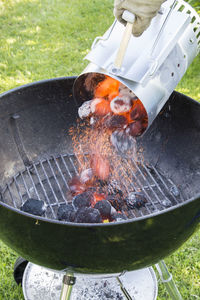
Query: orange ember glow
x=131, y=108
x=76, y=187
x=107, y=88
x=98, y=197
x=101, y=107
x=100, y=166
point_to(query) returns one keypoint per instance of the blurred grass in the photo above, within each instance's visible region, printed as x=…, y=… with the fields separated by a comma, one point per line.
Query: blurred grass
x=190, y=83
x=43, y=39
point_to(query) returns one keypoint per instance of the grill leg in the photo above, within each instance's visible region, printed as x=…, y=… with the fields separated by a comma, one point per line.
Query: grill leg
x=168, y=281
x=123, y=289
x=68, y=282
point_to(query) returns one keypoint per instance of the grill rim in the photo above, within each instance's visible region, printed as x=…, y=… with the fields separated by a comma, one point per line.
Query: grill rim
x=36, y=83
x=52, y=220
x=152, y=215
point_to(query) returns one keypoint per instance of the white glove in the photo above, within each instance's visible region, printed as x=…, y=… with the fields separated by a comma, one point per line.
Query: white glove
x=144, y=11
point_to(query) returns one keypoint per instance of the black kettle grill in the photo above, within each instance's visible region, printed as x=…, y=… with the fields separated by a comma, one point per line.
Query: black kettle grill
x=37, y=160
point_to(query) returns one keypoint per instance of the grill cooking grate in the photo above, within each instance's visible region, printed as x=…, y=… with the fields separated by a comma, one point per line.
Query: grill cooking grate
x=48, y=179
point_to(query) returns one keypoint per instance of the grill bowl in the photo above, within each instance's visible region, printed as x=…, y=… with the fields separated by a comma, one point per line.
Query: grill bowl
x=34, y=123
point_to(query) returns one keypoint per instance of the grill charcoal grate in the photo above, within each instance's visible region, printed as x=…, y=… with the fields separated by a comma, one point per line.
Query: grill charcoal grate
x=48, y=179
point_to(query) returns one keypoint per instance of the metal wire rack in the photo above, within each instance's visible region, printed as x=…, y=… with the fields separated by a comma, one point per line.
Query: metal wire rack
x=48, y=180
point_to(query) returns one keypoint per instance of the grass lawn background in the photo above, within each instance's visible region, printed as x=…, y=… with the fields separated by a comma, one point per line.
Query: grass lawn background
x=41, y=39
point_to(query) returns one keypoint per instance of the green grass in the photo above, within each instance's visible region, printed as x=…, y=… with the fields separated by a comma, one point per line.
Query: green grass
x=184, y=265
x=9, y=290
x=190, y=83
x=43, y=39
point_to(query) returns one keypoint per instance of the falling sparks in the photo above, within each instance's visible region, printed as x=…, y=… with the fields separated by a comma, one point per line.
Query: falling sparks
x=108, y=126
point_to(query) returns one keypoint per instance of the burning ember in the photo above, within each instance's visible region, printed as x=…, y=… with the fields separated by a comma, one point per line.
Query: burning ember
x=110, y=123
x=115, y=106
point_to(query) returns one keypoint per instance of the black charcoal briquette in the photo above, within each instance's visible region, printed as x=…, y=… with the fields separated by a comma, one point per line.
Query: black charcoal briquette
x=88, y=215
x=104, y=208
x=66, y=212
x=34, y=207
x=82, y=200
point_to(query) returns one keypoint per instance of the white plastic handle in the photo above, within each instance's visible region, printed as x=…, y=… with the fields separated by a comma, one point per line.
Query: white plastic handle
x=128, y=16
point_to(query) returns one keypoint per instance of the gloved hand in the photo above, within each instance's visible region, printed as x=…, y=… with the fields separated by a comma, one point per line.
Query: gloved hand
x=144, y=11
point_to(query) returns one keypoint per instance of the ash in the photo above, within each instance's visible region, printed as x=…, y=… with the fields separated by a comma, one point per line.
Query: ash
x=85, y=109
x=87, y=289
x=123, y=142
